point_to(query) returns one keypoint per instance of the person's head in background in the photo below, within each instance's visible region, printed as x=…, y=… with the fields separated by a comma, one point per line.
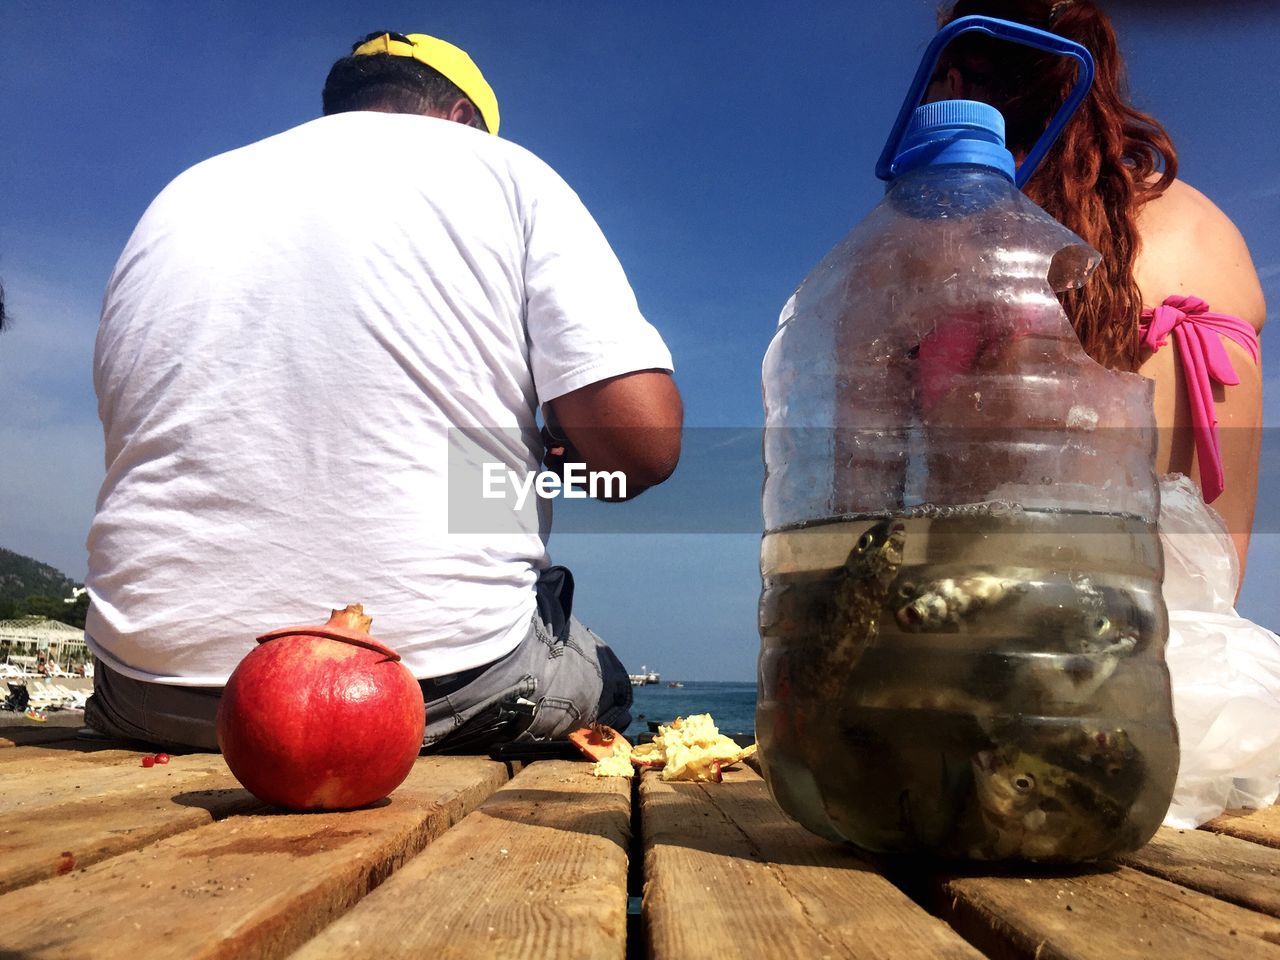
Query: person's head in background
x=399, y=73
x=1110, y=159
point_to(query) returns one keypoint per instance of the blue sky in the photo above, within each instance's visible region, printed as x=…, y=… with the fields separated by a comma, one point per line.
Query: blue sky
x=723, y=148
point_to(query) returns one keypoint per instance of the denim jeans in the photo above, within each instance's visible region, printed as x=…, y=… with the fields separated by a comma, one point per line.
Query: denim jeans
x=560, y=677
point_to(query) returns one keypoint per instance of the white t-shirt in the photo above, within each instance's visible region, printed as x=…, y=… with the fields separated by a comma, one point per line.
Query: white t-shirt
x=286, y=342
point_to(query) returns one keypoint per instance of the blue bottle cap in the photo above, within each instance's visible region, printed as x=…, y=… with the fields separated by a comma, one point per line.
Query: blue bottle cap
x=954, y=132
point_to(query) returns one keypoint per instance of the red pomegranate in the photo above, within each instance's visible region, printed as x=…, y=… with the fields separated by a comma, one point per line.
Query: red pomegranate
x=321, y=717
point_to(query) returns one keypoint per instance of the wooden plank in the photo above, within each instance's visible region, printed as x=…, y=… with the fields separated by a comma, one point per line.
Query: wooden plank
x=244, y=887
x=1257, y=826
x=26, y=736
x=728, y=875
x=538, y=871
x=83, y=831
x=41, y=784
x=1224, y=867
x=1104, y=913
x=14, y=762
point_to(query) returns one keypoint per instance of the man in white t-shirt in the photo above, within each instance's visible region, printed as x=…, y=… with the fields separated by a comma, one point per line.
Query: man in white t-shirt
x=310, y=350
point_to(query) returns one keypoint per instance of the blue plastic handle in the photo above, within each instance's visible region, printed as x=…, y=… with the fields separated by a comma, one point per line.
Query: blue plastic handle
x=1002, y=30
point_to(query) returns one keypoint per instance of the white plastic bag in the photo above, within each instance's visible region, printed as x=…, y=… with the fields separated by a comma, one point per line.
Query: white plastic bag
x=1225, y=670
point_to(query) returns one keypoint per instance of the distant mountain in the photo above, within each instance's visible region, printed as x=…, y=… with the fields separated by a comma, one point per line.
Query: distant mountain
x=22, y=577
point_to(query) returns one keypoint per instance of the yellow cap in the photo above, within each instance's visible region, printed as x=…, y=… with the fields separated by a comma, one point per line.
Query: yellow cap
x=451, y=62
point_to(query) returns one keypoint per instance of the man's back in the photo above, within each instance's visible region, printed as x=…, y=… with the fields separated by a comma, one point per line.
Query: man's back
x=287, y=339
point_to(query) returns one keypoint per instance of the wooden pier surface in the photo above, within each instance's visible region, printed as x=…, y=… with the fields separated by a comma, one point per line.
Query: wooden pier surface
x=470, y=858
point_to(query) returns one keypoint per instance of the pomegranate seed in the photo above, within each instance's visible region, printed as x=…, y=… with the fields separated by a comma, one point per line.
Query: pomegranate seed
x=162, y=758
x=148, y=761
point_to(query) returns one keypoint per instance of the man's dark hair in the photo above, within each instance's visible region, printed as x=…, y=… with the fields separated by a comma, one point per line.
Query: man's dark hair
x=382, y=81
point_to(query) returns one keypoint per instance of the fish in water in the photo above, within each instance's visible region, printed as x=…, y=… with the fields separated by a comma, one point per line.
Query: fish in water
x=1064, y=797
x=950, y=601
x=1083, y=641
x=812, y=678
x=861, y=593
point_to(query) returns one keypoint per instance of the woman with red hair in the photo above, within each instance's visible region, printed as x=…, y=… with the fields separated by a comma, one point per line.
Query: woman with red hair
x=1176, y=299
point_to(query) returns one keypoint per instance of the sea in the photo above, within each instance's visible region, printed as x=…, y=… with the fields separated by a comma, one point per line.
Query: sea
x=731, y=705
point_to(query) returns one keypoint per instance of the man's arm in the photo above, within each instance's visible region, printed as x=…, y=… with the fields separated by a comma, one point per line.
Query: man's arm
x=629, y=423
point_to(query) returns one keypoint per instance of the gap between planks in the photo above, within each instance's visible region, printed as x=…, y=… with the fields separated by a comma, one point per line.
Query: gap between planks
x=1258, y=826
x=83, y=830
x=1106, y=911
x=1237, y=871
x=11, y=737
x=244, y=887
x=728, y=875
x=39, y=784
x=539, y=870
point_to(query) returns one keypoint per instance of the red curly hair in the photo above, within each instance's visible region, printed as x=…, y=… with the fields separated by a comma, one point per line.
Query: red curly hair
x=1101, y=169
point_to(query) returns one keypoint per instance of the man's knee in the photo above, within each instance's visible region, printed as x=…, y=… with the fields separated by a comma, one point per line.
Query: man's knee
x=613, y=704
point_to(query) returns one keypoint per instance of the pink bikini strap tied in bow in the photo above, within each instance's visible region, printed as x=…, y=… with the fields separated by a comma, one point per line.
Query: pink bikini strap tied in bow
x=1198, y=334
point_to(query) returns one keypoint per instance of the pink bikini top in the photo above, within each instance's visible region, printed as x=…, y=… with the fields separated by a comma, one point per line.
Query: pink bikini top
x=1198, y=335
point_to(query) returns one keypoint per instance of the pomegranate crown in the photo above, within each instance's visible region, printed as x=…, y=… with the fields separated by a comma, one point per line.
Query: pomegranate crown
x=348, y=624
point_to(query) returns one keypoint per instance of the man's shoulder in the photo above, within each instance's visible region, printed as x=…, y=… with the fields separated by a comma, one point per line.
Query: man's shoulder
x=232, y=162
x=394, y=134
x=402, y=134
x=346, y=153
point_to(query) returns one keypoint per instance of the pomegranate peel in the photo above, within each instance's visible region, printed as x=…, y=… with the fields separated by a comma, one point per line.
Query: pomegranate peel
x=597, y=741
x=648, y=756
x=349, y=624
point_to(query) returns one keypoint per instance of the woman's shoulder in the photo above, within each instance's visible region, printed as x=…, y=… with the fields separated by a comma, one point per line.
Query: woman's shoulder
x=1183, y=210
x=1189, y=246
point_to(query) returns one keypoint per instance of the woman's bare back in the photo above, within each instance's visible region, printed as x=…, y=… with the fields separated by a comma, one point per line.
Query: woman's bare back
x=1189, y=246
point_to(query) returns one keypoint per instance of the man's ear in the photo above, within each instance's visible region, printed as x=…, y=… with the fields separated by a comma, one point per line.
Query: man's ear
x=948, y=85
x=954, y=85
x=462, y=111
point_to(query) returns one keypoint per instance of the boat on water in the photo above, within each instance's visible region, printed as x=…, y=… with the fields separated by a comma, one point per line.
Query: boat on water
x=645, y=677
x=674, y=684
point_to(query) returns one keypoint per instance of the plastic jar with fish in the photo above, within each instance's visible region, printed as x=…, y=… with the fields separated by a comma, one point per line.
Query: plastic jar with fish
x=962, y=631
